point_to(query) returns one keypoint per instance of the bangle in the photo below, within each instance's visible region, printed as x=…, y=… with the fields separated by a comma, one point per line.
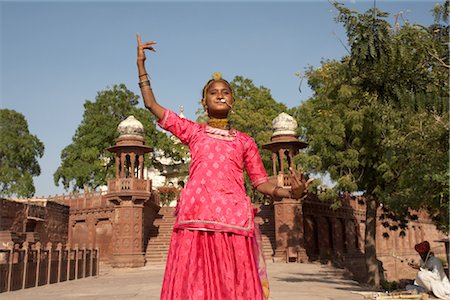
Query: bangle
x=145, y=74
x=144, y=83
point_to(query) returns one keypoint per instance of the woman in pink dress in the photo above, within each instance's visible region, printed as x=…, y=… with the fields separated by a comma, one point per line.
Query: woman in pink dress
x=214, y=252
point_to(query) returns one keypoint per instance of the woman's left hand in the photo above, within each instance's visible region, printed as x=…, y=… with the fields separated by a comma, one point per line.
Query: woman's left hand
x=298, y=184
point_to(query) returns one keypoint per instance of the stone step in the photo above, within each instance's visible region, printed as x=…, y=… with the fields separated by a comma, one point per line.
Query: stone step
x=159, y=237
x=157, y=256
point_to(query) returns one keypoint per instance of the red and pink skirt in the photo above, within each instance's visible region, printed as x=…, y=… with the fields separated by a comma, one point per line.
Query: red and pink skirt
x=213, y=265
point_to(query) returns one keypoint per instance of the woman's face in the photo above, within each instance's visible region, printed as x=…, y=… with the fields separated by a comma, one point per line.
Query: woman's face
x=219, y=99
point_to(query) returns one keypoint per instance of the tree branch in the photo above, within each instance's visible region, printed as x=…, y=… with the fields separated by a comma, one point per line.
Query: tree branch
x=440, y=60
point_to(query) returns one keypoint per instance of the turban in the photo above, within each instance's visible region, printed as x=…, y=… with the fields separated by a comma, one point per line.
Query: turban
x=423, y=247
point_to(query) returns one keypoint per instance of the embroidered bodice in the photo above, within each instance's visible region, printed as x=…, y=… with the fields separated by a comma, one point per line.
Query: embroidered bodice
x=214, y=197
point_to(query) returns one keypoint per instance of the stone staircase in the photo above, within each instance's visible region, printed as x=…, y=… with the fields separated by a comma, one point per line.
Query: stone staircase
x=266, y=220
x=159, y=236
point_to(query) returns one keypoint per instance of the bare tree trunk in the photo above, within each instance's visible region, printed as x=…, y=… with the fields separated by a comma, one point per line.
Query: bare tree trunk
x=372, y=263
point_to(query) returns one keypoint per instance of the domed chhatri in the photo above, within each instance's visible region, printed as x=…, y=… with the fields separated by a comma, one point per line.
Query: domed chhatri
x=131, y=127
x=284, y=144
x=284, y=124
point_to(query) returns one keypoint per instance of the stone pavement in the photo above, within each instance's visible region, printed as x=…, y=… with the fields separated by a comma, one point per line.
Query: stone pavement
x=287, y=282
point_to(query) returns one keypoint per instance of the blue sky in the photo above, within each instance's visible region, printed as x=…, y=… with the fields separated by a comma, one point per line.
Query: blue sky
x=55, y=55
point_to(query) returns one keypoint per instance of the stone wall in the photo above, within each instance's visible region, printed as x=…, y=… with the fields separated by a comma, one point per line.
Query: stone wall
x=395, y=248
x=33, y=220
x=328, y=235
x=337, y=236
x=12, y=216
x=91, y=220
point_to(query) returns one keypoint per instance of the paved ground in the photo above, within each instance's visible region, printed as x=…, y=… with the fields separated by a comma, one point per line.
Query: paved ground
x=287, y=281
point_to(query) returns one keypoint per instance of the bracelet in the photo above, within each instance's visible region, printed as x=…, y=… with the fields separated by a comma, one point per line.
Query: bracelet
x=144, y=83
x=145, y=74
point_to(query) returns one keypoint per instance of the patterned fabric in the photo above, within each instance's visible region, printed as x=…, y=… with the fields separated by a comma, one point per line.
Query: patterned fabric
x=215, y=250
x=211, y=265
x=260, y=261
x=214, y=198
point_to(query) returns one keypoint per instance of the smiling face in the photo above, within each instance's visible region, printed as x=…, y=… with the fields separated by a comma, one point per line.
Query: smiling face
x=219, y=99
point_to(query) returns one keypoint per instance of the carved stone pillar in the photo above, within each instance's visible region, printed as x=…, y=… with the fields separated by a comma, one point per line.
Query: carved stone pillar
x=289, y=229
x=128, y=250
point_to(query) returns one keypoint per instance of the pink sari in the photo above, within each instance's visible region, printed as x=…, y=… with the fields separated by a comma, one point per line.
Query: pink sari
x=213, y=265
x=215, y=248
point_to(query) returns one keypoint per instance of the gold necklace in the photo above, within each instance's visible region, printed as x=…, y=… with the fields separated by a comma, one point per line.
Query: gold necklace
x=219, y=123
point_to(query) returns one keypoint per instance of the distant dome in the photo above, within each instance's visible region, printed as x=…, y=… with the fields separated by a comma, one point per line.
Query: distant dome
x=284, y=124
x=131, y=127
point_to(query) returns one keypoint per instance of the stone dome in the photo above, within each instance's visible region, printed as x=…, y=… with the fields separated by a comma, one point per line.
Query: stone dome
x=284, y=124
x=131, y=127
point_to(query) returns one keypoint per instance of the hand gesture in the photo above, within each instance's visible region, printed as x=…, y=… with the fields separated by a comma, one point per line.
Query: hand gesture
x=298, y=184
x=413, y=265
x=141, y=48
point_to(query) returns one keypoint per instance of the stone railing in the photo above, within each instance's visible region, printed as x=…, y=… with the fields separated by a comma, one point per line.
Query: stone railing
x=34, y=265
x=281, y=180
x=129, y=184
x=81, y=200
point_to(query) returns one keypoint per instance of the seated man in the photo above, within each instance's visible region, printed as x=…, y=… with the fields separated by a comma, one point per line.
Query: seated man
x=431, y=276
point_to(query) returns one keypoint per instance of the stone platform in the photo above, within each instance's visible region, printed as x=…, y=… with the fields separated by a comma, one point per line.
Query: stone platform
x=287, y=282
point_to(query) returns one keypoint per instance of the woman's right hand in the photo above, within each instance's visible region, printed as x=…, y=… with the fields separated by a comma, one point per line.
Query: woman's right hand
x=141, y=48
x=299, y=184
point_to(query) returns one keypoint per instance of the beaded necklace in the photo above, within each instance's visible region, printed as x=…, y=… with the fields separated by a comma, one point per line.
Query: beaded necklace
x=219, y=123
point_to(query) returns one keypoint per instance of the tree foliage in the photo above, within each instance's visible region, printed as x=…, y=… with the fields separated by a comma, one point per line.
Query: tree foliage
x=86, y=161
x=253, y=113
x=378, y=120
x=19, y=151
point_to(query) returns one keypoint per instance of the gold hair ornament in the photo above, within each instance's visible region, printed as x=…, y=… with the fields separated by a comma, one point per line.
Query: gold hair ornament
x=217, y=76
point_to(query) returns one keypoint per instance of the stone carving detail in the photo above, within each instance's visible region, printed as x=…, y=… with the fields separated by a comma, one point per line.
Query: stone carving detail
x=131, y=127
x=284, y=124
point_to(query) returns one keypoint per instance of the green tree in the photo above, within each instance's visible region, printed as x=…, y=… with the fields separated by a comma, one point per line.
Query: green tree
x=375, y=113
x=253, y=113
x=19, y=151
x=86, y=161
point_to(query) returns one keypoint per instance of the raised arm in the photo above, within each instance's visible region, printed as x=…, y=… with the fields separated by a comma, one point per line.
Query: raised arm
x=144, y=82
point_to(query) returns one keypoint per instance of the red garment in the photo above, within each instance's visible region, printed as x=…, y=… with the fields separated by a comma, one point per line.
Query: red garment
x=210, y=265
x=423, y=247
x=214, y=252
x=214, y=198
